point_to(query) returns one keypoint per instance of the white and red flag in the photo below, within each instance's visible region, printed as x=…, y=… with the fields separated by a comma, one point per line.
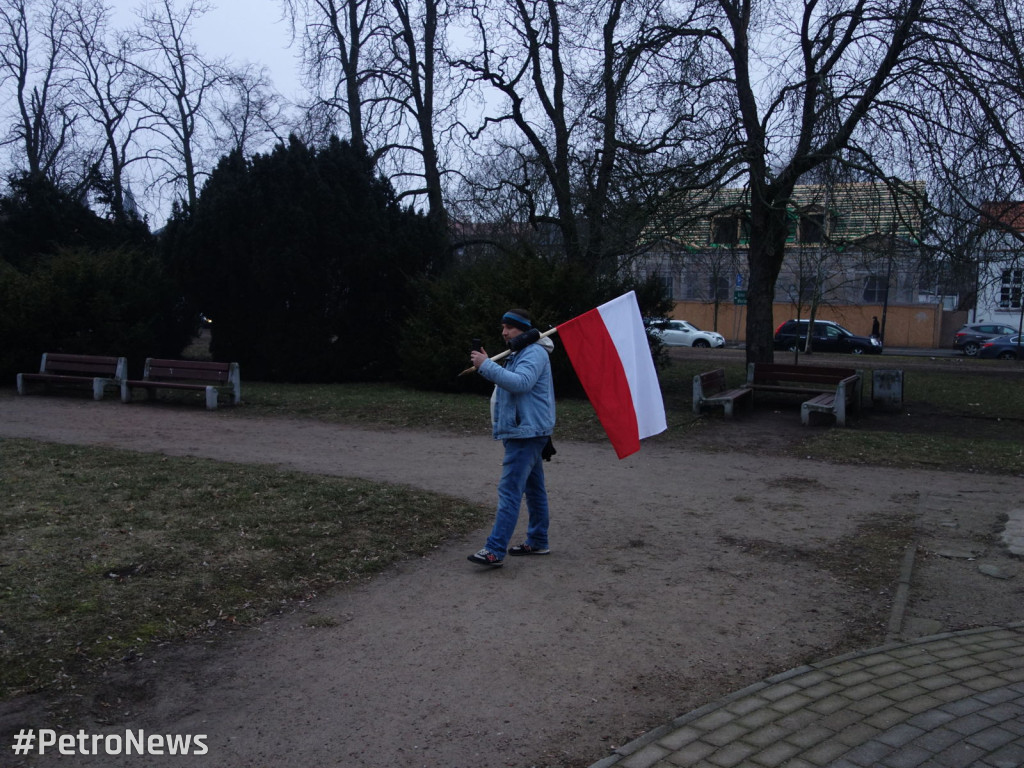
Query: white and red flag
x=608, y=349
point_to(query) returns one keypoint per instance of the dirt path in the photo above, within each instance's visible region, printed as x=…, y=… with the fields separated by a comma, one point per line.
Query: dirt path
x=675, y=578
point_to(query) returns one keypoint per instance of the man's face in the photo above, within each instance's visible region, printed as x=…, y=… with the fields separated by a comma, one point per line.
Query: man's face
x=509, y=332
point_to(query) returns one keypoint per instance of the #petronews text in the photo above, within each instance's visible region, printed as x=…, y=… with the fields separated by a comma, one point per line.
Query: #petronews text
x=27, y=741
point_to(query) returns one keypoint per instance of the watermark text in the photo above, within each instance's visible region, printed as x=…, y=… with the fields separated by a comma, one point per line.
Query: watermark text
x=43, y=741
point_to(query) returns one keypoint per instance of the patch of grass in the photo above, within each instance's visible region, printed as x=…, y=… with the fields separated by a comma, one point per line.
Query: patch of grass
x=394, y=406
x=922, y=451
x=964, y=419
x=986, y=393
x=104, y=551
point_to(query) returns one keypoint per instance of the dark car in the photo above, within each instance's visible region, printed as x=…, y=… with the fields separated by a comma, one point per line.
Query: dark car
x=827, y=337
x=1003, y=348
x=971, y=336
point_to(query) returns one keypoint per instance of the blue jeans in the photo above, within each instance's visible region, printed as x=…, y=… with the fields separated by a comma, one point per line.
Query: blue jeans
x=522, y=474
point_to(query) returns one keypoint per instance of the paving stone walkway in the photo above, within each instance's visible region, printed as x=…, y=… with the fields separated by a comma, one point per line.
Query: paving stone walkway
x=948, y=701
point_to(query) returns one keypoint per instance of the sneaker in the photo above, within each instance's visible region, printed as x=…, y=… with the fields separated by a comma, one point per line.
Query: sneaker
x=526, y=549
x=486, y=557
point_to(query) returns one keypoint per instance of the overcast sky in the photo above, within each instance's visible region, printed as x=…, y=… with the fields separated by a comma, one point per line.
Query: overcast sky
x=244, y=31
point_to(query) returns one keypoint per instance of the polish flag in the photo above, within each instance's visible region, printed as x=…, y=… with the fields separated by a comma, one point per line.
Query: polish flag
x=608, y=348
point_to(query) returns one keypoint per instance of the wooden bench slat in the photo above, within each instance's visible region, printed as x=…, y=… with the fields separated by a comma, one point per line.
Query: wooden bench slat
x=810, y=378
x=787, y=368
x=767, y=372
x=789, y=388
x=173, y=372
x=80, y=370
x=198, y=368
x=57, y=377
x=66, y=357
x=181, y=385
x=824, y=401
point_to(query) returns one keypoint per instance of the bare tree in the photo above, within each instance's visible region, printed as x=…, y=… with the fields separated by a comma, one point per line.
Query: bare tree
x=415, y=83
x=983, y=59
x=181, y=88
x=250, y=114
x=967, y=139
x=105, y=87
x=373, y=66
x=342, y=42
x=33, y=55
x=972, y=143
x=580, y=89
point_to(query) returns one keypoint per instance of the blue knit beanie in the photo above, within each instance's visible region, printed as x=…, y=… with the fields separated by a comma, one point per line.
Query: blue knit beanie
x=517, y=318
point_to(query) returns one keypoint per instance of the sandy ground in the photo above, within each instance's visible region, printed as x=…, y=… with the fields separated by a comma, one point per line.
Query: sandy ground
x=676, y=577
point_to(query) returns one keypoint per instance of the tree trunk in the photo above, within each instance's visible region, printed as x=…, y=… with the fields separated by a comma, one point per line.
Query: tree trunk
x=764, y=260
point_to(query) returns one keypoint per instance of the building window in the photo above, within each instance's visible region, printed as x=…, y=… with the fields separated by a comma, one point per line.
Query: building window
x=666, y=285
x=690, y=287
x=875, y=289
x=795, y=288
x=1010, y=288
x=812, y=228
x=718, y=288
x=725, y=230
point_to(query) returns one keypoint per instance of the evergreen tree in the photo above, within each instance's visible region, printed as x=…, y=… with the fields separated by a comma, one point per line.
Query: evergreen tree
x=71, y=281
x=37, y=218
x=304, y=261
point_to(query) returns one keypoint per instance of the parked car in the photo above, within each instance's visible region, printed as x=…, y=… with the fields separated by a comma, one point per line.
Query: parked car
x=972, y=335
x=1003, y=348
x=827, y=337
x=679, y=333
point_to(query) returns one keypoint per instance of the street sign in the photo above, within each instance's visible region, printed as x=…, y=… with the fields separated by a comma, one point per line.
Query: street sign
x=739, y=297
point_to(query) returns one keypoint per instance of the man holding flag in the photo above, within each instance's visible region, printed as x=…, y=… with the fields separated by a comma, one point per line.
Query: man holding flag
x=609, y=352
x=524, y=418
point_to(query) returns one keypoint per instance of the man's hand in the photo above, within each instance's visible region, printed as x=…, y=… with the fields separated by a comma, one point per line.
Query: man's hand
x=478, y=357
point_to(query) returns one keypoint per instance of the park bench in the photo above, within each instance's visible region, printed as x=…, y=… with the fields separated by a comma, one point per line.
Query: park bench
x=834, y=389
x=187, y=375
x=709, y=388
x=834, y=403
x=62, y=369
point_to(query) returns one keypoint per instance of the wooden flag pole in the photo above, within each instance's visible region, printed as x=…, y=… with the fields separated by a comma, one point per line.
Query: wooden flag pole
x=507, y=352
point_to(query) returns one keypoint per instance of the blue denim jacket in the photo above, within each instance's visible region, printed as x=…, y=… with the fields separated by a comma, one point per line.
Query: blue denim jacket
x=525, y=404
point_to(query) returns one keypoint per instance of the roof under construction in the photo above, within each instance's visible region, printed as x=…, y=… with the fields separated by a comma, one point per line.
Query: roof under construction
x=848, y=213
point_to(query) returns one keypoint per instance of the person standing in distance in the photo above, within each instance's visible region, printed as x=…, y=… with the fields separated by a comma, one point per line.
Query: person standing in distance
x=523, y=419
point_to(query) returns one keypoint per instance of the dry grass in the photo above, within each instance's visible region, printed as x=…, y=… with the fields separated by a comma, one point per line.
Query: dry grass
x=105, y=551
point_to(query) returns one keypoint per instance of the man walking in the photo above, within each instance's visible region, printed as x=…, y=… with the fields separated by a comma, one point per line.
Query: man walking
x=523, y=419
